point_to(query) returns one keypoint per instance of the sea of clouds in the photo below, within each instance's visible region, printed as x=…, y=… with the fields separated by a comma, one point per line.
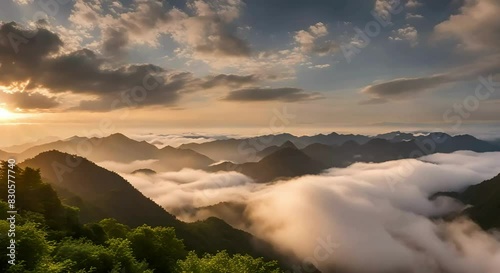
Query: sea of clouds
x=367, y=218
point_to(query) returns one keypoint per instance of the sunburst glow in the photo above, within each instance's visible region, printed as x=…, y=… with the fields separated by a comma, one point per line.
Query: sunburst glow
x=6, y=114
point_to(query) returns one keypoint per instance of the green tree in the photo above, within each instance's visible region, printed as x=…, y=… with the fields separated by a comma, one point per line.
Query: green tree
x=222, y=262
x=84, y=255
x=123, y=257
x=113, y=228
x=158, y=246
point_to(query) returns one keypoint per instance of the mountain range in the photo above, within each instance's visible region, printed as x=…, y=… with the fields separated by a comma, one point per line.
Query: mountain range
x=24, y=146
x=266, y=158
x=288, y=161
x=119, y=148
x=255, y=148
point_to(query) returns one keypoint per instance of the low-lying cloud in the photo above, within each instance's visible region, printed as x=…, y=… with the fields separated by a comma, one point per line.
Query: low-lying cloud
x=365, y=218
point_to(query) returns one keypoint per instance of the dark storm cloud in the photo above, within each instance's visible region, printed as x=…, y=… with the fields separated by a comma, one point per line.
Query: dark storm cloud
x=286, y=94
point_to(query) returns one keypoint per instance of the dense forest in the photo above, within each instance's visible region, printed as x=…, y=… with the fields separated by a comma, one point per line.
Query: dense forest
x=51, y=238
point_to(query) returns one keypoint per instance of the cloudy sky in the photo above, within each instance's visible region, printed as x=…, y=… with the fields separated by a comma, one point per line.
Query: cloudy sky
x=241, y=66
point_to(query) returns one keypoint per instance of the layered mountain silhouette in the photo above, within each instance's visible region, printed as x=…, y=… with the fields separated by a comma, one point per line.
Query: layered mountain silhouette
x=100, y=193
x=5, y=155
x=272, y=149
x=380, y=150
x=396, y=136
x=119, y=148
x=237, y=150
x=23, y=147
x=286, y=162
x=256, y=148
x=248, y=149
x=265, y=158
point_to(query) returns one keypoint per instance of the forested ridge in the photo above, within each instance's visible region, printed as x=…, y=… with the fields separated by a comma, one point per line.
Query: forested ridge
x=51, y=238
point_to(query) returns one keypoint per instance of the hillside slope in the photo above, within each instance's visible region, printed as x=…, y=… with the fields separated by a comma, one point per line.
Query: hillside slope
x=101, y=194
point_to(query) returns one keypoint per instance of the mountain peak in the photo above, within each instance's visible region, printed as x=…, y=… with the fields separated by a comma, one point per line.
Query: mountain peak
x=288, y=144
x=118, y=136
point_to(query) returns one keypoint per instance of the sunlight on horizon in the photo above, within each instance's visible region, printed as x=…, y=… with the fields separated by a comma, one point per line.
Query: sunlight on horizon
x=6, y=115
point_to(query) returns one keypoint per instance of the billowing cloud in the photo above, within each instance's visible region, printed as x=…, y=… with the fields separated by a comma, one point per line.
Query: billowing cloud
x=367, y=218
x=407, y=33
x=385, y=8
x=477, y=25
x=308, y=40
x=412, y=4
x=115, y=42
x=286, y=94
x=33, y=58
x=205, y=31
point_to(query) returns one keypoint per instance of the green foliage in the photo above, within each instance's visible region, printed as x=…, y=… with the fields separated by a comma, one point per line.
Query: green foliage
x=222, y=262
x=113, y=228
x=39, y=202
x=158, y=246
x=31, y=246
x=124, y=258
x=95, y=233
x=85, y=255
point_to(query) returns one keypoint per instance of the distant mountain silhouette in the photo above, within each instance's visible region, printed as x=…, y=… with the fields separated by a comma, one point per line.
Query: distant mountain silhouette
x=119, y=148
x=22, y=147
x=331, y=139
x=5, y=155
x=272, y=149
x=381, y=150
x=255, y=148
x=287, y=160
x=100, y=194
x=238, y=150
x=249, y=149
x=285, y=163
x=396, y=136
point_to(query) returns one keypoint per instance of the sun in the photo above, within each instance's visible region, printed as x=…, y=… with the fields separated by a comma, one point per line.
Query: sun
x=6, y=114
